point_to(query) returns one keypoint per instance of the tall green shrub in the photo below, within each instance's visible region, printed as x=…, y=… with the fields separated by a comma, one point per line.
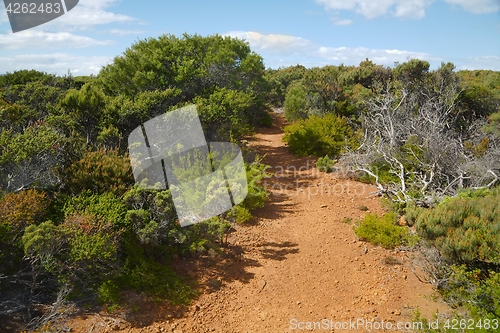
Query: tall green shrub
x=295, y=103
x=317, y=136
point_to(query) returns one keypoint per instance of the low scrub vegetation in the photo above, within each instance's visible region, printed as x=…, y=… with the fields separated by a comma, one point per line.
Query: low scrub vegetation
x=320, y=136
x=74, y=228
x=465, y=229
x=325, y=164
x=383, y=231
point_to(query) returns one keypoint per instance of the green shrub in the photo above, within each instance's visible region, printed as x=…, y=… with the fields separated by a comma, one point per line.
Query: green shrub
x=239, y=214
x=467, y=194
x=325, y=164
x=226, y=114
x=144, y=274
x=295, y=103
x=478, y=291
x=382, y=231
x=257, y=195
x=108, y=209
x=412, y=214
x=99, y=171
x=266, y=120
x=159, y=281
x=464, y=228
x=18, y=211
x=316, y=136
x=109, y=293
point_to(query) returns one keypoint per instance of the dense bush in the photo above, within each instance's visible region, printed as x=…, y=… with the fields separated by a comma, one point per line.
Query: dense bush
x=107, y=209
x=257, y=194
x=18, y=211
x=383, y=231
x=477, y=290
x=296, y=103
x=100, y=171
x=279, y=82
x=329, y=135
x=465, y=228
x=226, y=114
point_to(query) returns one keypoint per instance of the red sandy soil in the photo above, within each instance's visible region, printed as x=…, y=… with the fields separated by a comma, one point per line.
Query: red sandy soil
x=297, y=262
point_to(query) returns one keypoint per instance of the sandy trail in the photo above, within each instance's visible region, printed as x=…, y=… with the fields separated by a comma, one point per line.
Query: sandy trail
x=297, y=263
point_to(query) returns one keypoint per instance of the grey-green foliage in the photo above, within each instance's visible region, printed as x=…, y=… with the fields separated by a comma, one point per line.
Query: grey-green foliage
x=464, y=228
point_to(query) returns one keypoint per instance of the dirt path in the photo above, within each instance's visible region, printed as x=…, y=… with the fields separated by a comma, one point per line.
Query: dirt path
x=299, y=262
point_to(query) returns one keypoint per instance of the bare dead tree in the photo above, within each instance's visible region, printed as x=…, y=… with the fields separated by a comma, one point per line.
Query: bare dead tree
x=429, y=266
x=414, y=134
x=38, y=170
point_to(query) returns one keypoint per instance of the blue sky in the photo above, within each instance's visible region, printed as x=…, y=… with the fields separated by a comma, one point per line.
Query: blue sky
x=283, y=32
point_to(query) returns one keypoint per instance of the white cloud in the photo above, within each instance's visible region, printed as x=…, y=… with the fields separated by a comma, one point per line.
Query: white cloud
x=88, y=13
x=44, y=40
x=340, y=22
x=477, y=6
x=284, y=50
x=85, y=14
x=120, y=32
x=57, y=63
x=405, y=8
x=485, y=62
x=353, y=56
x=373, y=8
x=275, y=43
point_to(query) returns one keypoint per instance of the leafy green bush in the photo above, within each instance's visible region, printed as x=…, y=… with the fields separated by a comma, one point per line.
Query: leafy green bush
x=108, y=209
x=266, y=120
x=239, y=214
x=465, y=228
x=145, y=274
x=383, y=231
x=295, y=103
x=109, y=293
x=157, y=280
x=18, y=211
x=225, y=114
x=257, y=194
x=279, y=81
x=317, y=136
x=478, y=291
x=152, y=218
x=325, y=164
x=100, y=171
x=467, y=194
